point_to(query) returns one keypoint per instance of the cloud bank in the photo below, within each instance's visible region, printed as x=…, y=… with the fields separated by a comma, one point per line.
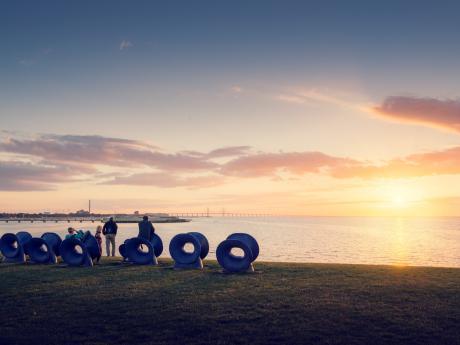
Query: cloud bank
x=425, y=111
x=44, y=162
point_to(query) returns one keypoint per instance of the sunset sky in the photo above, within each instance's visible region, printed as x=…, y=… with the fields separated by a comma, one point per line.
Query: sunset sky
x=284, y=107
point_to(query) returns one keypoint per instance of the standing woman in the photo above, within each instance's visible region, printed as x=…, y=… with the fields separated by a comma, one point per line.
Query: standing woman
x=98, y=237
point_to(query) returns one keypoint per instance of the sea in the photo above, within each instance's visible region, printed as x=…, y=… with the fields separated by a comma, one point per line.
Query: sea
x=423, y=241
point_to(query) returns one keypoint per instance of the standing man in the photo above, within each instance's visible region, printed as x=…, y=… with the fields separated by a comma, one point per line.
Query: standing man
x=110, y=231
x=146, y=229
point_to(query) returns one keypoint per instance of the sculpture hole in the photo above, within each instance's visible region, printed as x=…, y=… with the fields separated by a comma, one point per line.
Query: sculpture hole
x=43, y=248
x=238, y=252
x=15, y=244
x=78, y=249
x=189, y=248
x=143, y=249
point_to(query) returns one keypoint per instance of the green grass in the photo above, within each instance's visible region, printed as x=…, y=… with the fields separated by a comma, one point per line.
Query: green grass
x=282, y=304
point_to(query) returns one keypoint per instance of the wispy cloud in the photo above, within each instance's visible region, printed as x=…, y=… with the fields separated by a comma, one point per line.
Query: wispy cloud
x=164, y=180
x=308, y=96
x=291, y=98
x=423, y=111
x=125, y=44
x=229, y=151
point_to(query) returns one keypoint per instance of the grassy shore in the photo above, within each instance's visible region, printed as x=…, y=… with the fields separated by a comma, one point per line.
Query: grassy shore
x=282, y=304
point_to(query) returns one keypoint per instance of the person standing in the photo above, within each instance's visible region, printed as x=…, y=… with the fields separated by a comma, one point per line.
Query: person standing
x=146, y=229
x=99, y=241
x=110, y=232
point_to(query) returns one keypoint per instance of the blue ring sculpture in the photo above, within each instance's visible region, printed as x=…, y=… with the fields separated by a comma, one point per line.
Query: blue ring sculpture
x=91, y=244
x=12, y=249
x=136, y=255
x=249, y=240
x=53, y=240
x=232, y=263
x=89, y=250
x=71, y=256
x=23, y=238
x=131, y=250
x=40, y=251
x=204, y=243
x=182, y=259
x=122, y=250
x=157, y=244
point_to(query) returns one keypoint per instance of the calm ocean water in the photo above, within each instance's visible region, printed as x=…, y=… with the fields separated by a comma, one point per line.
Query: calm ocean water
x=360, y=240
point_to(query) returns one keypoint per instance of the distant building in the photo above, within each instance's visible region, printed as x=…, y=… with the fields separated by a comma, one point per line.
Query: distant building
x=136, y=213
x=82, y=213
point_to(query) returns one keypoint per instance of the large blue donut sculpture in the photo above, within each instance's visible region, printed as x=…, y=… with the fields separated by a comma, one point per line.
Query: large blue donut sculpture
x=233, y=263
x=53, y=240
x=122, y=250
x=135, y=251
x=89, y=250
x=132, y=250
x=40, y=252
x=194, y=259
x=14, y=247
x=44, y=250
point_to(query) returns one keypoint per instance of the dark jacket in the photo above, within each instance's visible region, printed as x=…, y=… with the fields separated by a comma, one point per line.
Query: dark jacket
x=110, y=228
x=146, y=230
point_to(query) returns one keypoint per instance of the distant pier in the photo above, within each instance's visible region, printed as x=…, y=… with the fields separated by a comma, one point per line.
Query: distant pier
x=76, y=219
x=51, y=220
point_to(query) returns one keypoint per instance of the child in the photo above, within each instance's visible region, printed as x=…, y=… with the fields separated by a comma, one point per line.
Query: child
x=71, y=233
x=99, y=241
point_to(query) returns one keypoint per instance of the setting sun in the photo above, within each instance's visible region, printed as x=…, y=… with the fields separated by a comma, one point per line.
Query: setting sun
x=399, y=202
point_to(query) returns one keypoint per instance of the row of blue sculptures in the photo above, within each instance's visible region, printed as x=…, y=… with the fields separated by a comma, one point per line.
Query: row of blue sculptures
x=81, y=252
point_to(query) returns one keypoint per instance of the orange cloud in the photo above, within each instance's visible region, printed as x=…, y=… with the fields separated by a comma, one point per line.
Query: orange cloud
x=21, y=176
x=424, y=111
x=445, y=162
x=268, y=164
x=164, y=180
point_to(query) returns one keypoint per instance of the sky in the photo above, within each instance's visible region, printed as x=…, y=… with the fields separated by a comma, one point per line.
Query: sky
x=321, y=108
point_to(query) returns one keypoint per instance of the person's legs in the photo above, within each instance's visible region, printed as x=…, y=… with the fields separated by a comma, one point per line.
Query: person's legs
x=107, y=244
x=113, y=245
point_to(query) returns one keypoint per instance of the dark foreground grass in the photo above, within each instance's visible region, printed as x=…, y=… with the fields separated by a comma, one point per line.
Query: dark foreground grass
x=283, y=304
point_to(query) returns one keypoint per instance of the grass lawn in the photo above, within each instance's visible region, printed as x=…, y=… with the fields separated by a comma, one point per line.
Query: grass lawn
x=282, y=304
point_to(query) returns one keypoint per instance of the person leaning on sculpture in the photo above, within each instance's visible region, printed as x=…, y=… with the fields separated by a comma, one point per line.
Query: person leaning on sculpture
x=146, y=229
x=110, y=232
x=80, y=234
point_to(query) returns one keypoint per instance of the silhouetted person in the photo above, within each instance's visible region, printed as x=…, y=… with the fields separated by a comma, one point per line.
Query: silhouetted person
x=110, y=232
x=146, y=229
x=99, y=241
